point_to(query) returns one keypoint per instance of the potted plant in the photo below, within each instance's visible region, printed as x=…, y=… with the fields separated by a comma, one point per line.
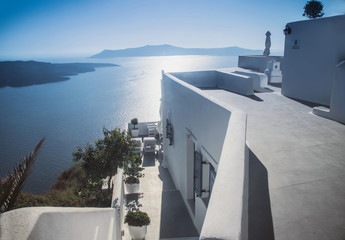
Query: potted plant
x=133, y=172
x=137, y=224
x=134, y=131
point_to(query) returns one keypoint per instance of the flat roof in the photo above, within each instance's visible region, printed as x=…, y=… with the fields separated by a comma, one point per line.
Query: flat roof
x=296, y=168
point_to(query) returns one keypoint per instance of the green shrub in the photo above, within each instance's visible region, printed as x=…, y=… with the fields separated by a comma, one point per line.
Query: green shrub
x=313, y=9
x=65, y=198
x=137, y=218
x=131, y=180
x=31, y=200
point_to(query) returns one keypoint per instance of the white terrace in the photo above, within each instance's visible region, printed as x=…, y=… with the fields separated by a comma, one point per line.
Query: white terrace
x=296, y=180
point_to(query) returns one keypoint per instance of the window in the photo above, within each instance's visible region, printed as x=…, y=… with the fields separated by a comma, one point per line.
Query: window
x=197, y=173
x=212, y=177
x=169, y=132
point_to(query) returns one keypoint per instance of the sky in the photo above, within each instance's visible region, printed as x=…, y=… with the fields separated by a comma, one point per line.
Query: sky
x=46, y=28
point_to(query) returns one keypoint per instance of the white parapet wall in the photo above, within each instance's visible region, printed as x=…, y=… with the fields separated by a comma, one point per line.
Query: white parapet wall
x=56, y=223
x=227, y=212
x=258, y=62
x=312, y=51
x=260, y=80
x=217, y=132
x=235, y=83
x=230, y=81
x=117, y=202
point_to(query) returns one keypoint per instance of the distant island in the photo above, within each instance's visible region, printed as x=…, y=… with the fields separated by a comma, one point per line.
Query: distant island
x=27, y=73
x=169, y=50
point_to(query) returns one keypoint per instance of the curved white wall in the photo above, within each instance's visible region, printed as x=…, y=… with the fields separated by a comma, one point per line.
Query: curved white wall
x=312, y=51
x=56, y=223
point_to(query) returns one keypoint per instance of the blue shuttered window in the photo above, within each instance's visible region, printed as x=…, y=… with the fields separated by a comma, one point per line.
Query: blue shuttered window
x=197, y=173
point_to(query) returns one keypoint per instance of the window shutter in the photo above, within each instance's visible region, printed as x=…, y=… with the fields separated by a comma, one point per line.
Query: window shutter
x=212, y=177
x=197, y=173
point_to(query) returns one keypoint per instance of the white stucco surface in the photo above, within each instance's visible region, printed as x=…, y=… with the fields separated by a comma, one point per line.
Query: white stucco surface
x=296, y=163
x=312, y=51
x=226, y=216
x=337, y=110
x=258, y=62
x=241, y=84
x=212, y=127
x=260, y=80
x=117, y=202
x=58, y=223
x=296, y=176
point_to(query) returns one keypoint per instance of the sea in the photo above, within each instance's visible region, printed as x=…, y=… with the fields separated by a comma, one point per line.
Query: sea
x=74, y=112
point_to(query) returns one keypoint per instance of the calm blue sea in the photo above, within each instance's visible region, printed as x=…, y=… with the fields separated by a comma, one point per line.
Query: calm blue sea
x=73, y=112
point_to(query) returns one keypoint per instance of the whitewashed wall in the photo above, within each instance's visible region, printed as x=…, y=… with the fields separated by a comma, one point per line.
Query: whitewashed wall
x=312, y=51
x=187, y=108
x=52, y=223
x=194, y=114
x=258, y=62
x=241, y=84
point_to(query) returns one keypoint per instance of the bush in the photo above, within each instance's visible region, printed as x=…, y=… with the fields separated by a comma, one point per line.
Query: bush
x=134, y=121
x=313, y=9
x=70, y=190
x=65, y=198
x=131, y=180
x=31, y=200
x=113, y=151
x=137, y=218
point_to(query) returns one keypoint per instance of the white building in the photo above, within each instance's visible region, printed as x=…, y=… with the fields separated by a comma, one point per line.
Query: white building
x=205, y=131
x=200, y=135
x=249, y=164
x=313, y=64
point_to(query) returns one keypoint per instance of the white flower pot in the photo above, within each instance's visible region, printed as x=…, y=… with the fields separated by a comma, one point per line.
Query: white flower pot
x=137, y=232
x=135, y=132
x=132, y=188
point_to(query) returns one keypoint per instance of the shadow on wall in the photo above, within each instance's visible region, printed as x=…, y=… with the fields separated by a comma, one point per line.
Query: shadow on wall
x=307, y=103
x=175, y=220
x=260, y=223
x=253, y=96
x=132, y=201
x=278, y=85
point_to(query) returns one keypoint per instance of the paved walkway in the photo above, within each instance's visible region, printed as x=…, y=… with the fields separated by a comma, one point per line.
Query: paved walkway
x=162, y=202
x=297, y=168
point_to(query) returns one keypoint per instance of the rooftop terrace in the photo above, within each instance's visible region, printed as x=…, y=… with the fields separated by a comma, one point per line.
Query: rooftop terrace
x=296, y=167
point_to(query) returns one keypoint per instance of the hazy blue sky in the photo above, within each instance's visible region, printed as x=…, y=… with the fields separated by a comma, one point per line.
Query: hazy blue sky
x=59, y=27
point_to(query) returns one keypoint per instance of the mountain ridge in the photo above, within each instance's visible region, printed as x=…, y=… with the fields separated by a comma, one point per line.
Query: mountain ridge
x=170, y=50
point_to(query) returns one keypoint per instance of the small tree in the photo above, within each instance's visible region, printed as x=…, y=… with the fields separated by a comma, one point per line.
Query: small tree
x=103, y=159
x=134, y=171
x=134, y=121
x=313, y=9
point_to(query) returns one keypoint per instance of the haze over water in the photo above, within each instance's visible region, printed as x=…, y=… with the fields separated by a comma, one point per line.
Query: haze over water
x=73, y=112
